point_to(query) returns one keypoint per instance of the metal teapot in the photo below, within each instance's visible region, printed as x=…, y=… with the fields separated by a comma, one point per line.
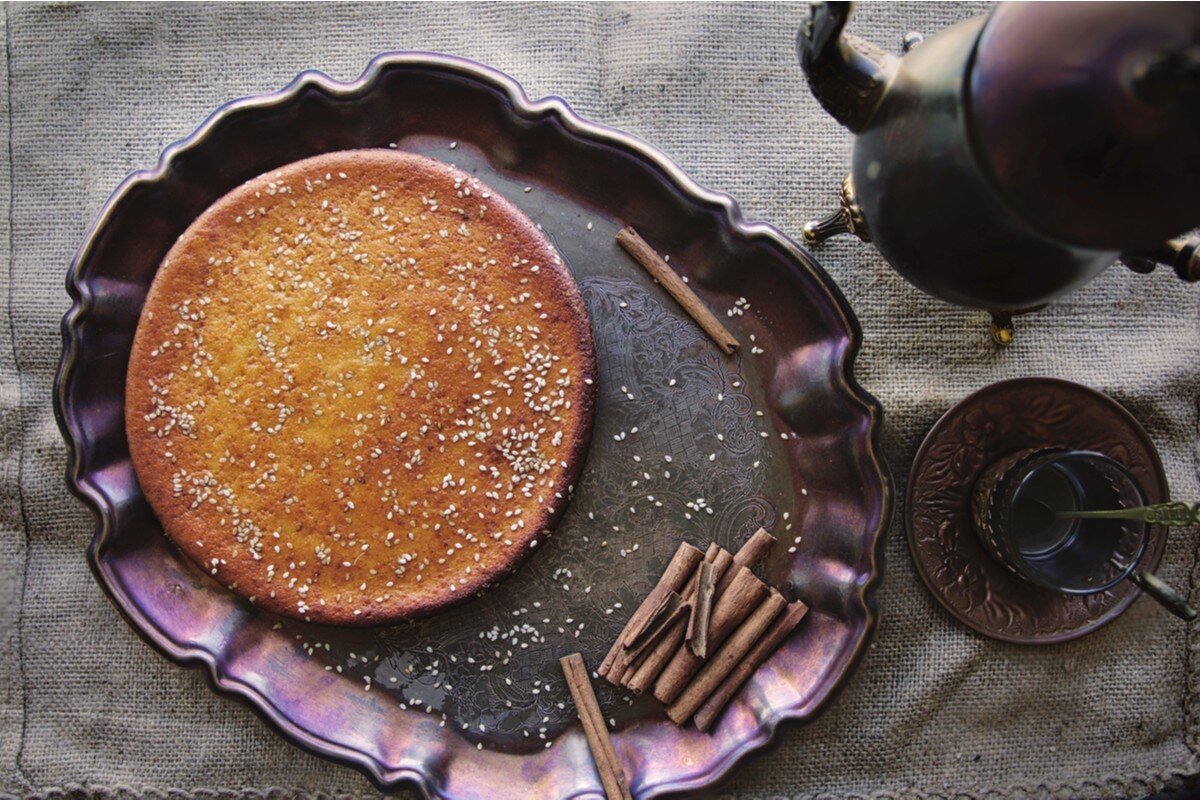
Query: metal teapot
x=1013, y=157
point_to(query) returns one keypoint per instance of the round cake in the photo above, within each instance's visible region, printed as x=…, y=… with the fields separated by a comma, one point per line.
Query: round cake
x=361, y=388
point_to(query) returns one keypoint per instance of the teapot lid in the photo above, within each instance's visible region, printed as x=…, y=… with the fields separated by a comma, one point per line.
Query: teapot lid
x=1088, y=116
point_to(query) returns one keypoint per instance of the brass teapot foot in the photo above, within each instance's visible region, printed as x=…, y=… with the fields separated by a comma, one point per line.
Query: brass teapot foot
x=847, y=218
x=1002, y=328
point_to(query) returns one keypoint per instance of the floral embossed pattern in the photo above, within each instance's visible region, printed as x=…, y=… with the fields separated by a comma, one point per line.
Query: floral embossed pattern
x=992, y=423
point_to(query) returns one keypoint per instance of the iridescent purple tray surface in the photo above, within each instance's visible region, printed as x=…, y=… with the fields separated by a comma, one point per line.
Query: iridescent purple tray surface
x=470, y=704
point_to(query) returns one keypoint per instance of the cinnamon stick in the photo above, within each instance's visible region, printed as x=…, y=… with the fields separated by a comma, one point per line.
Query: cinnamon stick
x=653, y=659
x=677, y=612
x=681, y=566
x=644, y=254
x=697, y=580
x=749, y=554
x=721, y=562
x=665, y=609
x=763, y=648
x=612, y=777
x=725, y=567
x=726, y=660
x=697, y=630
x=744, y=595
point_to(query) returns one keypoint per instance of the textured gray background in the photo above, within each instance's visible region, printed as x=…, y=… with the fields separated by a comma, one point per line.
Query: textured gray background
x=94, y=92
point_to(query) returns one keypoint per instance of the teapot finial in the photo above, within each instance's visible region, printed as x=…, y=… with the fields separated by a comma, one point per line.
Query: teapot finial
x=847, y=74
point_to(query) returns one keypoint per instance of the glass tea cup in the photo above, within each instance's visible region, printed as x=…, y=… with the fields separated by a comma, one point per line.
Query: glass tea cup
x=1019, y=507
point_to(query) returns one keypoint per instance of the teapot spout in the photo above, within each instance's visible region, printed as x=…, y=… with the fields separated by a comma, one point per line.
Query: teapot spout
x=846, y=74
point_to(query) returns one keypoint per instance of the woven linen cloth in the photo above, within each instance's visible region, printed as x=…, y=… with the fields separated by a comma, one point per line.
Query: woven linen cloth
x=934, y=710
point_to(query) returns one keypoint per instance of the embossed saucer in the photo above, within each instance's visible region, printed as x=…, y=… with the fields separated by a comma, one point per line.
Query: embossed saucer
x=993, y=422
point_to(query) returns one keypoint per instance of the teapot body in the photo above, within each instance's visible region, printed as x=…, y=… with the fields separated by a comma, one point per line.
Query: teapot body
x=930, y=205
x=1011, y=158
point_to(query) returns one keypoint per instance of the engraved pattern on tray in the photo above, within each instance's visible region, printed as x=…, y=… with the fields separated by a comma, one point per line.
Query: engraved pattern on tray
x=664, y=392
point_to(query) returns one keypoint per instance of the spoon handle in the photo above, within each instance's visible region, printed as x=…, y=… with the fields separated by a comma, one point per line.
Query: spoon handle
x=1171, y=514
x=1170, y=599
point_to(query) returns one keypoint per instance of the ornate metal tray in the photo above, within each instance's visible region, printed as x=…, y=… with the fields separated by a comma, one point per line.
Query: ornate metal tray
x=470, y=703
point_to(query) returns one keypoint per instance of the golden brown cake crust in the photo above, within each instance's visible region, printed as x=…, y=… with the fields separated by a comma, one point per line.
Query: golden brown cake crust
x=361, y=388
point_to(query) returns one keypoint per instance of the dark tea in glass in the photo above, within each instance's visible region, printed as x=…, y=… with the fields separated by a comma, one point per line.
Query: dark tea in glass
x=1018, y=508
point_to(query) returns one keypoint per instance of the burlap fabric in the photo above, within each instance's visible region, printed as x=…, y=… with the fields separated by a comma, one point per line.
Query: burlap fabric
x=934, y=710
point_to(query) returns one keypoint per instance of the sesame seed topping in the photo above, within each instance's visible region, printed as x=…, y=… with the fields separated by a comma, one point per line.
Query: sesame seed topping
x=368, y=391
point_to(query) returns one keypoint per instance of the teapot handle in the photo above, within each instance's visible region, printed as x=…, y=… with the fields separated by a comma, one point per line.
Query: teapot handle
x=1182, y=255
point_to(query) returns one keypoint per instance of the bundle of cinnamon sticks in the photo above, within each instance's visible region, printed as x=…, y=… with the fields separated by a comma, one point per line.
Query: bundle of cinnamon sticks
x=703, y=630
